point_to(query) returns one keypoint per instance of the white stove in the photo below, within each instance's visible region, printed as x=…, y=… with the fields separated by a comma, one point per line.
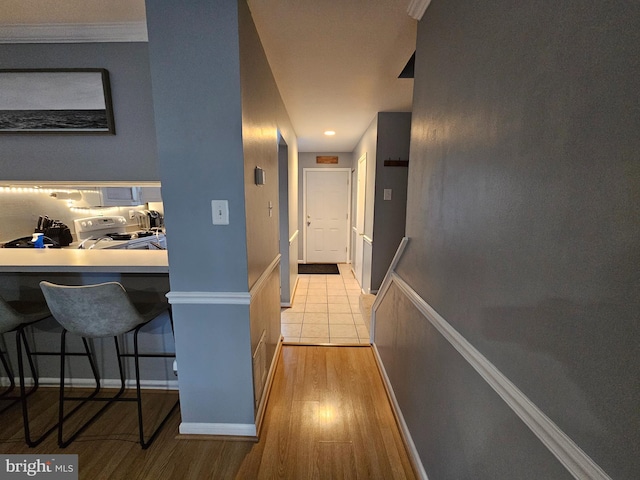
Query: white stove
x=111, y=233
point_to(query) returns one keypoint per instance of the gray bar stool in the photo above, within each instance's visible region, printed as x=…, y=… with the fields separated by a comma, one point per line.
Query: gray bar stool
x=100, y=311
x=16, y=316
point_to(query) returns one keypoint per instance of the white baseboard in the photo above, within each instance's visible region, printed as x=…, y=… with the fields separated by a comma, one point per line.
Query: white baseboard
x=404, y=429
x=108, y=383
x=262, y=407
x=221, y=429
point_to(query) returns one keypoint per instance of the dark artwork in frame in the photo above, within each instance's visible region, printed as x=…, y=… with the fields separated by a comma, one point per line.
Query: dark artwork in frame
x=67, y=101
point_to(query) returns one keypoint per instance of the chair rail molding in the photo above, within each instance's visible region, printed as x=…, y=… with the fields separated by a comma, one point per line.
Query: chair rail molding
x=262, y=280
x=293, y=237
x=210, y=298
x=570, y=455
x=574, y=459
x=417, y=8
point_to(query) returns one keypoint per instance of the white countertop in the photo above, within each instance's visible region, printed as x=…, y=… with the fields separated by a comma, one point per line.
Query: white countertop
x=80, y=260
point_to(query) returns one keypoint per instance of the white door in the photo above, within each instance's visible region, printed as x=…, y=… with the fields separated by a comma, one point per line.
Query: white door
x=359, y=225
x=326, y=214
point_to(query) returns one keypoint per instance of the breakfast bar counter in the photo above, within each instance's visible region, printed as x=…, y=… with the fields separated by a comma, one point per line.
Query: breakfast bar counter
x=143, y=273
x=24, y=260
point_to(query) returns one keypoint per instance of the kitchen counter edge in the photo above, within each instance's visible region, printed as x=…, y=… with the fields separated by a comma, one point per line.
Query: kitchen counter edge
x=80, y=260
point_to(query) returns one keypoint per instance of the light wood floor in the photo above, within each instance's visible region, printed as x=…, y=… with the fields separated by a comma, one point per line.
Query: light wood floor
x=328, y=417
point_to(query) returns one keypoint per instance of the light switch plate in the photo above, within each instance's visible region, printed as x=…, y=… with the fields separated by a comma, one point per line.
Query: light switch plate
x=220, y=212
x=387, y=194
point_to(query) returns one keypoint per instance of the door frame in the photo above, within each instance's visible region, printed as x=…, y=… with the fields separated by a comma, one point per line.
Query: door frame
x=303, y=227
x=360, y=214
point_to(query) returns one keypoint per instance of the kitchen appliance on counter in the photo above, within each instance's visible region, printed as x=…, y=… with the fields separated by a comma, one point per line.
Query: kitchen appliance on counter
x=111, y=233
x=150, y=220
x=55, y=234
x=54, y=229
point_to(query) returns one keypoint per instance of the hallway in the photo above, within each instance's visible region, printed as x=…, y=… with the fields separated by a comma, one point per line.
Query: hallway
x=328, y=416
x=325, y=310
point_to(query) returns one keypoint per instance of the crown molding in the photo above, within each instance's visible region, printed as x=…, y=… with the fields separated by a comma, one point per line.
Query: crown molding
x=74, y=33
x=417, y=8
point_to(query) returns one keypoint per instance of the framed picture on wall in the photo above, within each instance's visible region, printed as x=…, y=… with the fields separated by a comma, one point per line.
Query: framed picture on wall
x=68, y=100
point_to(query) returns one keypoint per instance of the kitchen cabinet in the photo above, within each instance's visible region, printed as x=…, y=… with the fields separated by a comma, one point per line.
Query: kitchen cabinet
x=150, y=194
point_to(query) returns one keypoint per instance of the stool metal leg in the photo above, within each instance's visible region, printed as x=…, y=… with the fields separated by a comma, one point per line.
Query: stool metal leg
x=136, y=356
x=61, y=414
x=22, y=391
x=21, y=339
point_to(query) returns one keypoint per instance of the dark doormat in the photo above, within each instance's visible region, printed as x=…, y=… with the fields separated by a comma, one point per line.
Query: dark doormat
x=318, y=268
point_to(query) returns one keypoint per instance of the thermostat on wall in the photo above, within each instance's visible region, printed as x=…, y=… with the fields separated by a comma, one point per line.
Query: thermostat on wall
x=260, y=176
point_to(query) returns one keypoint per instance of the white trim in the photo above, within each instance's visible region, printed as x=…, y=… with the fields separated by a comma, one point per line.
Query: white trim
x=293, y=294
x=574, y=459
x=262, y=279
x=266, y=391
x=105, y=383
x=367, y=239
x=293, y=237
x=384, y=286
x=223, y=298
x=209, y=298
x=417, y=8
x=226, y=429
x=404, y=429
x=386, y=281
x=74, y=33
x=359, y=222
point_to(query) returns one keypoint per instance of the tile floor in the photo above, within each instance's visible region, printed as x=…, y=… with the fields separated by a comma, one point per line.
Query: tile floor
x=325, y=310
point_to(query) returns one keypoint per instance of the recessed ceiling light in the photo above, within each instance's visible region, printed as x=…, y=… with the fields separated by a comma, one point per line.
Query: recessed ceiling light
x=329, y=133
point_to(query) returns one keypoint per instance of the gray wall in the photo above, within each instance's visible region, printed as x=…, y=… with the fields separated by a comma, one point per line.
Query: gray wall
x=197, y=104
x=263, y=118
x=387, y=137
x=130, y=155
x=394, y=131
x=217, y=114
x=523, y=218
x=195, y=70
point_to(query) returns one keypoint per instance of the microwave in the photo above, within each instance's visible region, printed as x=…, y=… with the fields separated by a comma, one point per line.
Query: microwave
x=111, y=197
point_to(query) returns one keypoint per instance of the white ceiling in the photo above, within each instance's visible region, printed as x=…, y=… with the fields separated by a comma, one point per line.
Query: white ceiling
x=336, y=62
